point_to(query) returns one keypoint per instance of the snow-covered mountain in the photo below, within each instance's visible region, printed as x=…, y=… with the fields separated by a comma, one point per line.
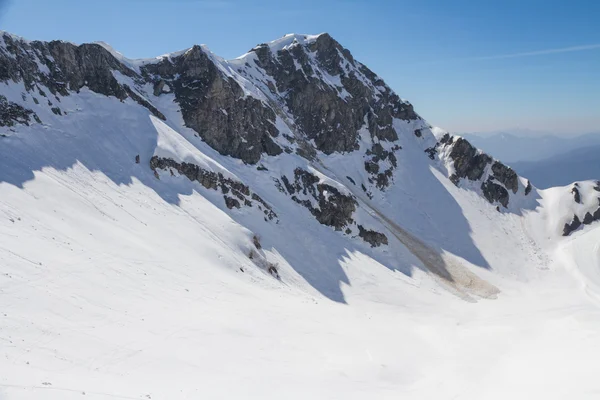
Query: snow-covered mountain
x=283, y=221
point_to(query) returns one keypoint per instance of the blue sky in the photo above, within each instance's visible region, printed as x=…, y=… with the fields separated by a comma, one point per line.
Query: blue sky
x=466, y=65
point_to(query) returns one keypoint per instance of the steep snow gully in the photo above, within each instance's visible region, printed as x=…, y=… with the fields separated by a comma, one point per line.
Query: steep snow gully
x=449, y=271
x=280, y=225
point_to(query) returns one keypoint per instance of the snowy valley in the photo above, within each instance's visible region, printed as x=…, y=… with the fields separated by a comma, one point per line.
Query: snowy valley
x=279, y=225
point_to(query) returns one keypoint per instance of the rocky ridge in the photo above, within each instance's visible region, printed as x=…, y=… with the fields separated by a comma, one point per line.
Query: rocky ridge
x=300, y=95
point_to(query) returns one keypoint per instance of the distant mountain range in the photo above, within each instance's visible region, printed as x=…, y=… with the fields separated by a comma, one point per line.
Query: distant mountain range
x=562, y=169
x=519, y=145
x=546, y=159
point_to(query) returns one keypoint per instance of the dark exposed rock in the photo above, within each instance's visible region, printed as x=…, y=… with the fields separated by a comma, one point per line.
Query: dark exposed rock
x=333, y=208
x=66, y=68
x=144, y=103
x=597, y=186
x=377, y=154
x=506, y=176
x=216, y=181
x=576, y=194
x=528, y=188
x=468, y=163
x=332, y=115
x=216, y=107
x=596, y=214
x=588, y=218
x=368, y=193
x=446, y=139
x=351, y=180
x=69, y=67
x=383, y=179
x=231, y=202
x=371, y=167
x=88, y=65
x=12, y=113
x=160, y=87
x=418, y=133
x=574, y=225
x=374, y=238
x=431, y=152
x=494, y=192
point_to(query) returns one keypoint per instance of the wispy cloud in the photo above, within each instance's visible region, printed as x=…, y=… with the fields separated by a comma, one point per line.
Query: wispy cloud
x=571, y=49
x=3, y=7
x=539, y=52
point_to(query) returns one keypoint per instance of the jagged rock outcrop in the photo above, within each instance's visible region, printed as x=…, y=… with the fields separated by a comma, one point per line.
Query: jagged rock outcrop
x=12, y=113
x=63, y=68
x=494, y=192
x=467, y=162
x=329, y=206
x=377, y=154
x=572, y=226
x=331, y=95
x=235, y=193
x=506, y=176
x=528, y=188
x=215, y=105
x=576, y=194
x=374, y=238
x=587, y=209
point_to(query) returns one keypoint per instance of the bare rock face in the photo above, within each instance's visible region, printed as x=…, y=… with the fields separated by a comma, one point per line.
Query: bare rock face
x=235, y=193
x=382, y=178
x=506, y=176
x=329, y=206
x=494, y=192
x=332, y=114
x=69, y=67
x=576, y=194
x=589, y=217
x=374, y=238
x=12, y=113
x=63, y=68
x=474, y=165
x=572, y=226
x=468, y=162
x=528, y=188
x=216, y=107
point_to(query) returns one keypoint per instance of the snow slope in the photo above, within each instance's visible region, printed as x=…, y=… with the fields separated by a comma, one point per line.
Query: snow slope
x=120, y=281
